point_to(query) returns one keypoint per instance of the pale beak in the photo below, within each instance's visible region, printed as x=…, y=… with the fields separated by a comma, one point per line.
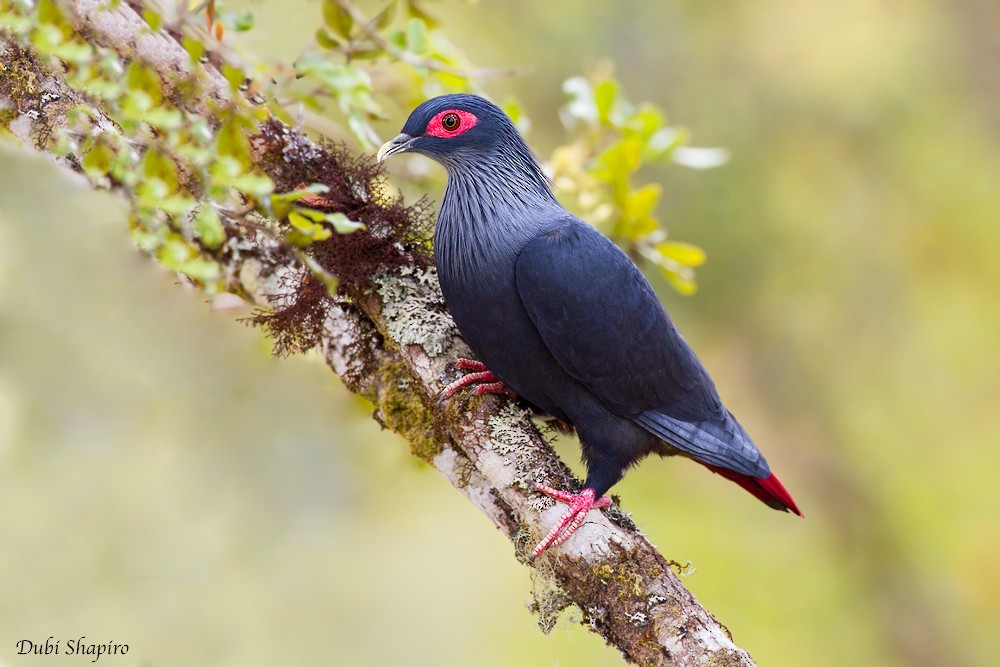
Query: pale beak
x=398, y=145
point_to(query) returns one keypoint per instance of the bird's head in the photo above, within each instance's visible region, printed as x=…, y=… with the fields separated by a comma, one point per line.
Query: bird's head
x=454, y=129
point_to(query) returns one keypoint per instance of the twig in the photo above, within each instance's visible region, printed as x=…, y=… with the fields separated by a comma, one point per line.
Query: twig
x=369, y=28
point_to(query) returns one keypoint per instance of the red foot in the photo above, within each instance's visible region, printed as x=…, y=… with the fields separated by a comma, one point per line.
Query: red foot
x=579, y=505
x=487, y=381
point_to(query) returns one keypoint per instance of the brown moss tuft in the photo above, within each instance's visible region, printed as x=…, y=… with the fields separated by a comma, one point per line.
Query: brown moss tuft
x=394, y=236
x=296, y=325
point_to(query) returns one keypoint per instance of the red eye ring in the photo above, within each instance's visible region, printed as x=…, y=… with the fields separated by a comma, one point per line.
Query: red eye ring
x=450, y=123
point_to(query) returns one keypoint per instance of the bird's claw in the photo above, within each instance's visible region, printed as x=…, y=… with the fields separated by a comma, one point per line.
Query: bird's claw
x=487, y=382
x=579, y=505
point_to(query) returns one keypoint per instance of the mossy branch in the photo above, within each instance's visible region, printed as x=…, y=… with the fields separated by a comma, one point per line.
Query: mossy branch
x=384, y=330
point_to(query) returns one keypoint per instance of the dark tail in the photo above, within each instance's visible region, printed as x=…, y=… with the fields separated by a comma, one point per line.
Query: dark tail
x=768, y=490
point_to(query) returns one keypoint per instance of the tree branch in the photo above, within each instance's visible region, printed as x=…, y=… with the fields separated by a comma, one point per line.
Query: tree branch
x=390, y=339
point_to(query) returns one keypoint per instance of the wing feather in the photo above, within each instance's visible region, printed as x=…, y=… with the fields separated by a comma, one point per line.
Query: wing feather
x=605, y=326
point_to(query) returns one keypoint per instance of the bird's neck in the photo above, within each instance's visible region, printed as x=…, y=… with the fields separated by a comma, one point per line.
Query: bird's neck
x=491, y=208
x=509, y=177
x=495, y=190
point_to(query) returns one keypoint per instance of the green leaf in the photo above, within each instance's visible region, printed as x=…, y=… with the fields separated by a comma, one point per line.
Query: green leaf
x=46, y=37
x=152, y=18
x=236, y=21
x=231, y=140
x=645, y=121
x=135, y=104
x=313, y=214
x=366, y=53
x=307, y=230
x=97, y=161
x=208, y=227
x=328, y=39
x=605, y=97
x=151, y=192
x=75, y=53
x=329, y=281
x=164, y=118
x=337, y=19
x=416, y=11
x=615, y=166
x=177, y=205
x=139, y=77
x=47, y=11
x=145, y=240
x=194, y=48
x=174, y=252
x=682, y=281
x=282, y=202
x=337, y=76
x=397, y=37
x=416, y=36
x=225, y=169
x=243, y=22
x=682, y=253
x=674, y=260
x=234, y=76
x=18, y=25
x=156, y=164
x=385, y=17
x=200, y=269
x=642, y=202
x=258, y=186
x=299, y=193
x=342, y=224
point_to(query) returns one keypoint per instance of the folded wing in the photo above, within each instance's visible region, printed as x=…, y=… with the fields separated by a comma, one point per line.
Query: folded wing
x=603, y=323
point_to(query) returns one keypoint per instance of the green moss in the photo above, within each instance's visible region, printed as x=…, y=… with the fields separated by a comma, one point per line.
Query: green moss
x=628, y=583
x=7, y=116
x=402, y=411
x=18, y=75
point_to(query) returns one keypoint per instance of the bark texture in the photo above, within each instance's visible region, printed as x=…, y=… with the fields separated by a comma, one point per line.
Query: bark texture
x=389, y=338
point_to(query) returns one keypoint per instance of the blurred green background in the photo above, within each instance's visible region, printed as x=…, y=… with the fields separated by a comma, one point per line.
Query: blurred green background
x=167, y=484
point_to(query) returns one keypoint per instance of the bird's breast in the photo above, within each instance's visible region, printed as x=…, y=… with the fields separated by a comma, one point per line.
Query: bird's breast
x=478, y=282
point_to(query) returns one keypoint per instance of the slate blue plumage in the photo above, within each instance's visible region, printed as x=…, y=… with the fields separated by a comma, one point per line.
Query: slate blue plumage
x=561, y=315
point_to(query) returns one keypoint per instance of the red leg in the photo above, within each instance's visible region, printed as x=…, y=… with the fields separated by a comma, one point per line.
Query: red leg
x=579, y=505
x=487, y=381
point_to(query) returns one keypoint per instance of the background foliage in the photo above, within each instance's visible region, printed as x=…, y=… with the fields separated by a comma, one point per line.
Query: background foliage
x=847, y=311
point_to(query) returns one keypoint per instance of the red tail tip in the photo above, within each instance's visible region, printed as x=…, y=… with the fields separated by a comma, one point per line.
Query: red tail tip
x=768, y=490
x=777, y=491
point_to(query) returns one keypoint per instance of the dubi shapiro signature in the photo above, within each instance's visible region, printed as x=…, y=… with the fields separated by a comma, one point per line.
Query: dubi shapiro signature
x=80, y=646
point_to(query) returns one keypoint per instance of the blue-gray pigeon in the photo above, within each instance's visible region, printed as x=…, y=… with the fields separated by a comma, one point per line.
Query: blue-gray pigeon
x=558, y=314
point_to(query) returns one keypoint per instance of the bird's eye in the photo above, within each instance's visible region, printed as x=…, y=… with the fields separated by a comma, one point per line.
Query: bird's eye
x=450, y=123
